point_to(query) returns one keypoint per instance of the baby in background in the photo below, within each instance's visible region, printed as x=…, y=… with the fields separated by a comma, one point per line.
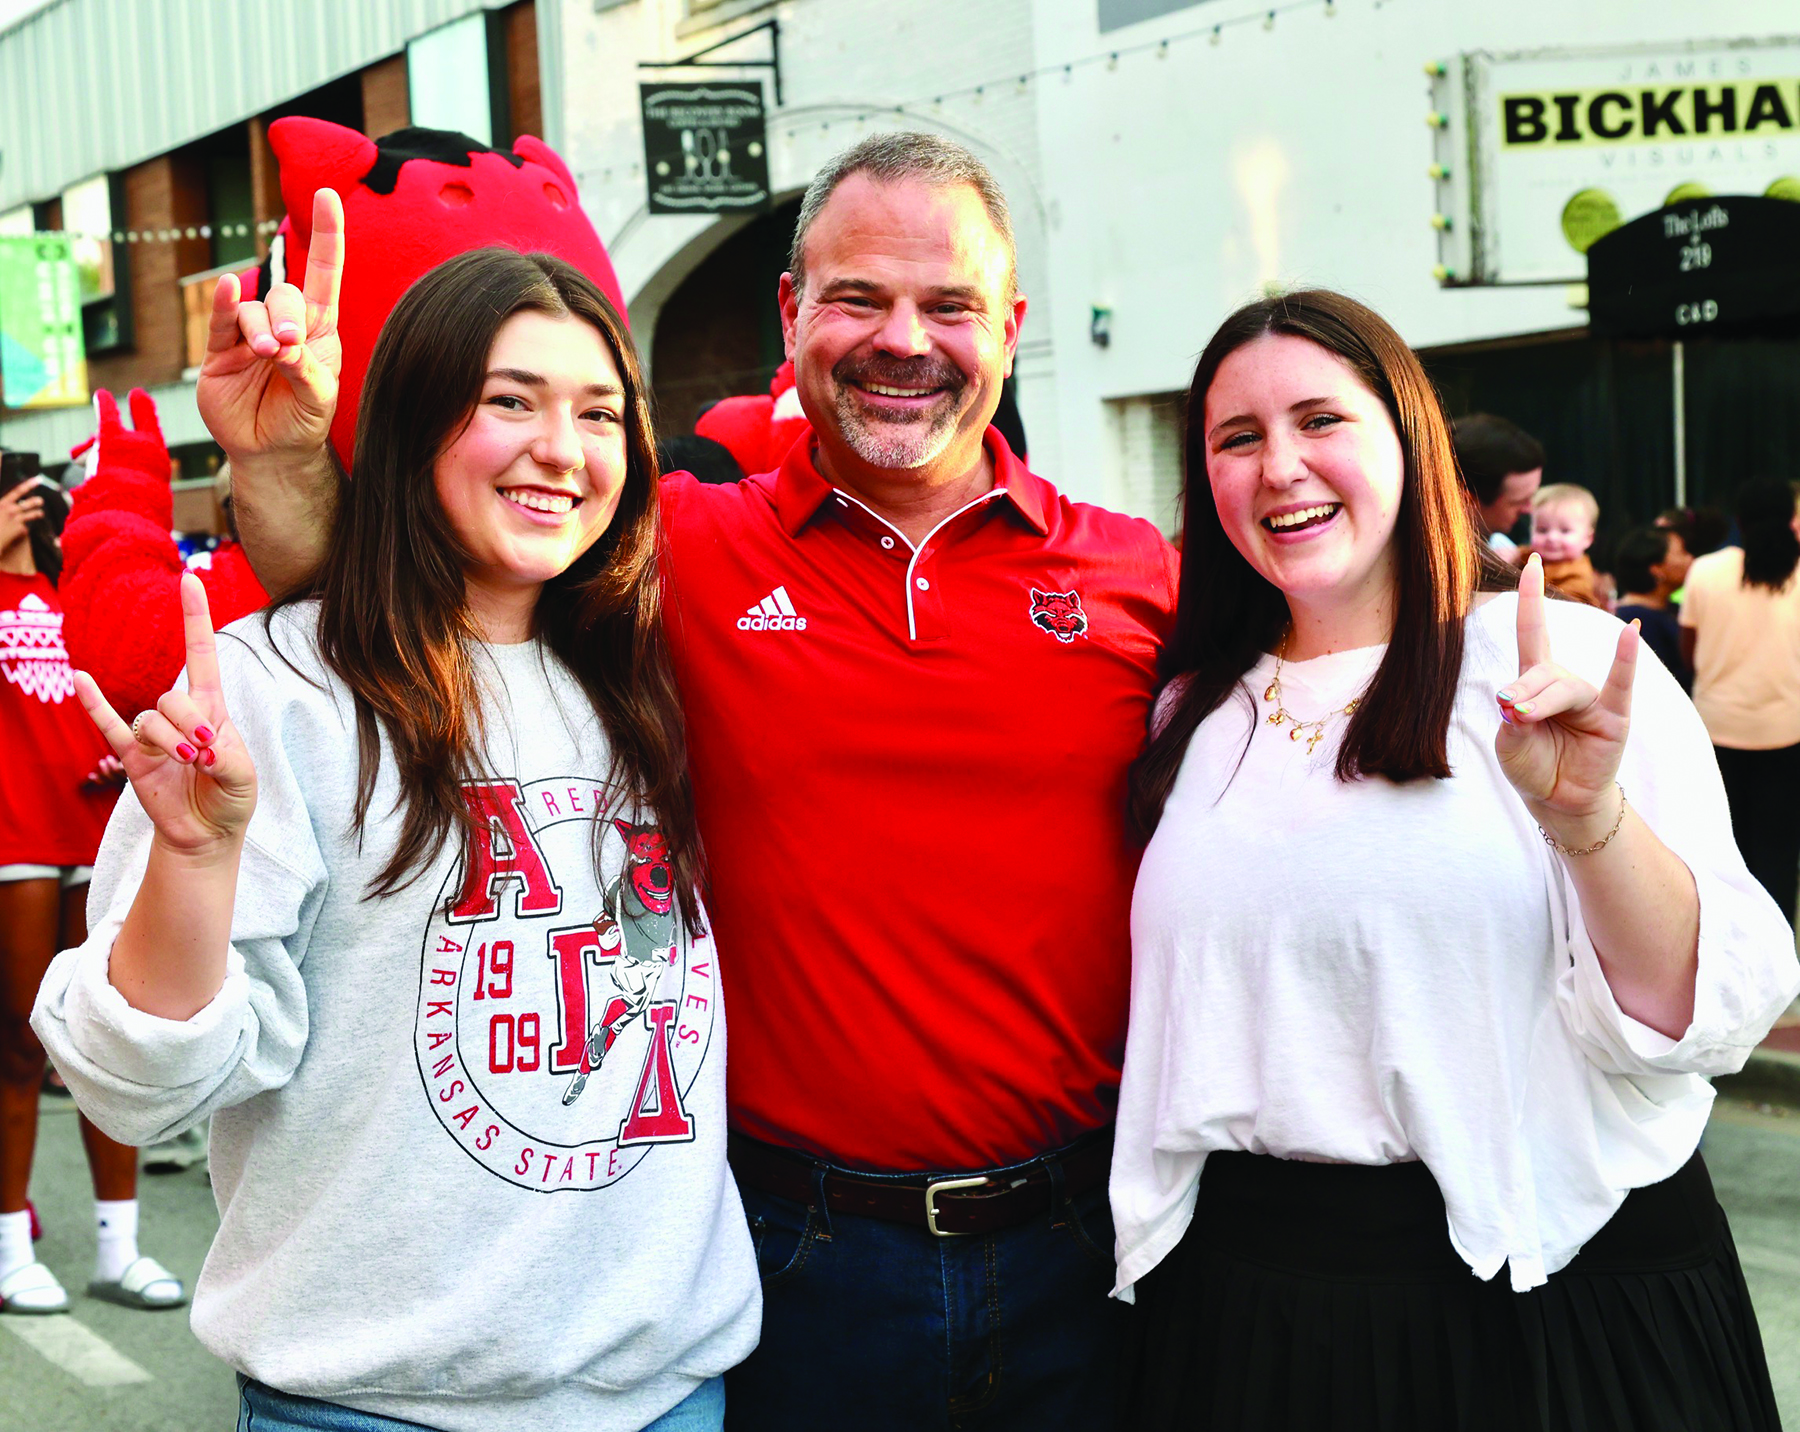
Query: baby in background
x=1563, y=517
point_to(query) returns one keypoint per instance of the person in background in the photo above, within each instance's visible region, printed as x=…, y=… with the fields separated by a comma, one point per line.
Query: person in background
x=1563, y=517
x=1703, y=529
x=708, y=459
x=1678, y=522
x=1740, y=627
x=1646, y=567
x=1502, y=466
x=54, y=801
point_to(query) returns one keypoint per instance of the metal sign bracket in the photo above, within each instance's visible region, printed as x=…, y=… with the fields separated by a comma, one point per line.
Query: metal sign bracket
x=698, y=60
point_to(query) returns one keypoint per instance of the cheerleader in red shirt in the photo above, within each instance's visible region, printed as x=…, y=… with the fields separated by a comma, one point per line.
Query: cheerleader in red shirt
x=54, y=801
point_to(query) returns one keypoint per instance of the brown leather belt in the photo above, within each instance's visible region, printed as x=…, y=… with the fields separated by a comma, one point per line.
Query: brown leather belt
x=949, y=1205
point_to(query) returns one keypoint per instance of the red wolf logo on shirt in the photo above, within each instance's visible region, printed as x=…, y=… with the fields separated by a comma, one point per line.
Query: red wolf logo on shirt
x=1059, y=613
x=639, y=919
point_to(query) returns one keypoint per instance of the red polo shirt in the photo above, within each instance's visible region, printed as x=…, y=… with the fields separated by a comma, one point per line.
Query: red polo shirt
x=910, y=769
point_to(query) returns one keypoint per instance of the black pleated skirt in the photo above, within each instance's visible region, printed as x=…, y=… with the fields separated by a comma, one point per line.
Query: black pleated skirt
x=1327, y=1298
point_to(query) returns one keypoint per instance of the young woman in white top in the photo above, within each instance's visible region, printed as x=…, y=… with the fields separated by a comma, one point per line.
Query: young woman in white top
x=404, y=895
x=1420, y=1000
x=1740, y=630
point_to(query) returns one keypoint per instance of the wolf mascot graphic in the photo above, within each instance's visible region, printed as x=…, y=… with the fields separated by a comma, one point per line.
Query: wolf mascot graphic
x=639, y=921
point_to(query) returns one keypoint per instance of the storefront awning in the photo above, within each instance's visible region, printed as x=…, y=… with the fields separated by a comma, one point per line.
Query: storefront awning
x=1726, y=264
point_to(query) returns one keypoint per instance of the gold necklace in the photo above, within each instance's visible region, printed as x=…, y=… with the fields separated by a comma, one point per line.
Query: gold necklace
x=1281, y=716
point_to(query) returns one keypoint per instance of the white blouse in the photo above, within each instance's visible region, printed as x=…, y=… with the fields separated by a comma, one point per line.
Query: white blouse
x=1370, y=972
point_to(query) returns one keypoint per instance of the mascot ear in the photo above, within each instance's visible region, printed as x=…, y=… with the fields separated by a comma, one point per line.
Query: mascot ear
x=624, y=827
x=530, y=147
x=315, y=154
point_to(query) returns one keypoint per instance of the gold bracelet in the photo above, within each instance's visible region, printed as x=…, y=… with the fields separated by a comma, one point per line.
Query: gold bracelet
x=1601, y=844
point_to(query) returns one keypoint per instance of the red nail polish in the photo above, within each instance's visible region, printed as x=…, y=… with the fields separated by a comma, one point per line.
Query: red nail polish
x=209, y=756
x=185, y=751
x=204, y=735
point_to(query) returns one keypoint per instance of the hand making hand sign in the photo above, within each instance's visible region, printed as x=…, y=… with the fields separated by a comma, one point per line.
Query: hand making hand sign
x=191, y=773
x=268, y=386
x=1562, y=738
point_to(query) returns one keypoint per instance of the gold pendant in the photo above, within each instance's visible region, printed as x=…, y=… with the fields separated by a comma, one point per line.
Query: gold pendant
x=1277, y=716
x=1314, y=740
x=1294, y=735
x=1273, y=691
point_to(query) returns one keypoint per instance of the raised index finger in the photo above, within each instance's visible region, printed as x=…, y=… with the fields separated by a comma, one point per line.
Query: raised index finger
x=197, y=629
x=325, y=254
x=1534, y=639
x=222, y=321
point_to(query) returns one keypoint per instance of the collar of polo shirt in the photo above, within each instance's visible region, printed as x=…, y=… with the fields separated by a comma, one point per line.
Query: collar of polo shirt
x=801, y=490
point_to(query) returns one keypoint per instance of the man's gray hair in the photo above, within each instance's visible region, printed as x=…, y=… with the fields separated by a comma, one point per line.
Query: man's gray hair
x=905, y=154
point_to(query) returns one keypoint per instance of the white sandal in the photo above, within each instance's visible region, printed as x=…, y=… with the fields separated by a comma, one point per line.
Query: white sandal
x=145, y=1284
x=32, y=1290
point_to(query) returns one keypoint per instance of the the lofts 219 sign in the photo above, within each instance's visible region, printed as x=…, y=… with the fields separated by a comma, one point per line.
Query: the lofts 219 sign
x=1540, y=154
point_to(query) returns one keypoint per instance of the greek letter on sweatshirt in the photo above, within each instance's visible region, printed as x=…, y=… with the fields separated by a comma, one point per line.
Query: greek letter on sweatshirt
x=468, y=1141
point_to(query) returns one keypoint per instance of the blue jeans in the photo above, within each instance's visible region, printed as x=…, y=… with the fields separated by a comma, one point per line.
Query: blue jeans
x=885, y=1328
x=263, y=1409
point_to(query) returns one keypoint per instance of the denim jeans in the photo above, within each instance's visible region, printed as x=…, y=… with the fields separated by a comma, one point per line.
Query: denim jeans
x=263, y=1409
x=884, y=1327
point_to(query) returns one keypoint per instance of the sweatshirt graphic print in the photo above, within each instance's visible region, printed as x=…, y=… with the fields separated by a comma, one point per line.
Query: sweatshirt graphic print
x=558, y=1042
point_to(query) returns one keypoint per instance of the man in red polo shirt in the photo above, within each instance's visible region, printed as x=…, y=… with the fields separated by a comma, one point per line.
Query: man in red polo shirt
x=914, y=677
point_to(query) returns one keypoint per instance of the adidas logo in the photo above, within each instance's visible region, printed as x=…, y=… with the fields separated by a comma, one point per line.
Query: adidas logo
x=774, y=612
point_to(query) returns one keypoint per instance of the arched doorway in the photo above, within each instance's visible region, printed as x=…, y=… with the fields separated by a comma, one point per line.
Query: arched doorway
x=719, y=333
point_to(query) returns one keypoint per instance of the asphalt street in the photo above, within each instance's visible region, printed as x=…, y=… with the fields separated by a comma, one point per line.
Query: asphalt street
x=108, y=1369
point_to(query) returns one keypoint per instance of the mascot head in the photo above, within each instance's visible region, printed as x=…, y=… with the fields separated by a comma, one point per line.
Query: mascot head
x=412, y=200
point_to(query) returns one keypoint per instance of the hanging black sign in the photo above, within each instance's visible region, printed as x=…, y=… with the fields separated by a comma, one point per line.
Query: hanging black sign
x=1726, y=264
x=705, y=148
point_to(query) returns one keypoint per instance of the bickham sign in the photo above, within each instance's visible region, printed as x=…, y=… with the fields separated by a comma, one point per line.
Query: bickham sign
x=1544, y=153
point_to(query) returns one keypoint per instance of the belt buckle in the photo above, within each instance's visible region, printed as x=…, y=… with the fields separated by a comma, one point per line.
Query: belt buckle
x=945, y=1185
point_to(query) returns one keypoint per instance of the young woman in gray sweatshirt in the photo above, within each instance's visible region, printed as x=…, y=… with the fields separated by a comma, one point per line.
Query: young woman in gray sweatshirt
x=404, y=896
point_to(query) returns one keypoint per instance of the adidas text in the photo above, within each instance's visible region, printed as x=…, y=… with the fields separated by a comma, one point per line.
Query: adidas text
x=774, y=612
x=759, y=622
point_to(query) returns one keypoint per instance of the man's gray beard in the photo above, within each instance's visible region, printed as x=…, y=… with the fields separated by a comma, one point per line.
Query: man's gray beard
x=894, y=445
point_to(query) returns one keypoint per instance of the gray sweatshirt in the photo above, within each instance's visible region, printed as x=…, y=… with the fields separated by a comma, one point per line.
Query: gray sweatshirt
x=468, y=1141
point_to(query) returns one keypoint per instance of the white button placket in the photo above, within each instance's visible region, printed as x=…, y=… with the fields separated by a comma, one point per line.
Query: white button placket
x=923, y=584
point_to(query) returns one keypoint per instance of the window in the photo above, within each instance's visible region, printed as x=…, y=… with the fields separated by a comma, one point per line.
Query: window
x=224, y=161
x=1144, y=467
x=456, y=78
x=87, y=216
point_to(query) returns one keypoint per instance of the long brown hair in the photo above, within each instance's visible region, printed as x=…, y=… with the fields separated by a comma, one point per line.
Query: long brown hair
x=1228, y=614
x=394, y=622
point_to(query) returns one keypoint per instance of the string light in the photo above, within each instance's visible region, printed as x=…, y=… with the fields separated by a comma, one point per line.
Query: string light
x=261, y=229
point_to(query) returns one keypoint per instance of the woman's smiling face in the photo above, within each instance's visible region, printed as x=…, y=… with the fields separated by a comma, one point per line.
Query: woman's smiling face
x=535, y=477
x=1306, y=470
